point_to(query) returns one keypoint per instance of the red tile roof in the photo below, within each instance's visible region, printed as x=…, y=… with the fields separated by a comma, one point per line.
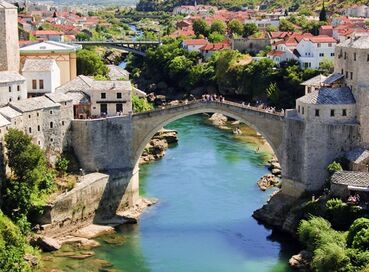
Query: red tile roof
x=195, y=42
x=47, y=32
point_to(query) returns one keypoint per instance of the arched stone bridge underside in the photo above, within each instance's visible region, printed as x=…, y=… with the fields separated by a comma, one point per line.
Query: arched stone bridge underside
x=146, y=124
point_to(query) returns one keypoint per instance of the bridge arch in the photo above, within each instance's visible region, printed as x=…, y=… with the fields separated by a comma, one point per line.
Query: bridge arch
x=146, y=124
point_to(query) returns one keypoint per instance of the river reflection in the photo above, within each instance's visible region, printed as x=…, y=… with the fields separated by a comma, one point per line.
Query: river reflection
x=207, y=191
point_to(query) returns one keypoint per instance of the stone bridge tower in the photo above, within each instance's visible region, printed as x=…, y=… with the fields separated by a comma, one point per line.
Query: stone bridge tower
x=9, y=46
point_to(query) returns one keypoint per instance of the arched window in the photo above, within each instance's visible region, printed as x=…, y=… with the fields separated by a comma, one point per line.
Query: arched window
x=51, y=124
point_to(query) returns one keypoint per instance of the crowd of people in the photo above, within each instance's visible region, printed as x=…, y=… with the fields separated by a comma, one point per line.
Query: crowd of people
x=212, y=97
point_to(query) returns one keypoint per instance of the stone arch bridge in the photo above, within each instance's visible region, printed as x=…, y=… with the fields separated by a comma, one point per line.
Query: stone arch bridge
x=113, y=145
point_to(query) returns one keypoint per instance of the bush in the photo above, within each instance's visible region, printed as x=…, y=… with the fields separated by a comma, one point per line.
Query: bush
x=356, y=226
x=140, y=104
x=13, y=247
x=329, y=257
x=62, y=165
x=361, y=239
x=334, y=167
x=309, y=231
x=359, y=259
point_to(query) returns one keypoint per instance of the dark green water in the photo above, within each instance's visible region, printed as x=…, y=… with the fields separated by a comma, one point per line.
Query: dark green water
x=207, y=191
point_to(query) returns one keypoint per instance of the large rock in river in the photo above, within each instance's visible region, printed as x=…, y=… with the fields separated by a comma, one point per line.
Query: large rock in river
x=46, y=244
x=218, y=119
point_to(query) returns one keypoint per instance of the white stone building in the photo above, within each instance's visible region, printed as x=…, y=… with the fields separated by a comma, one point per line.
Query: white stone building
x=42, y=76
x=194, y=45
x=12, y=87
x=313, y=50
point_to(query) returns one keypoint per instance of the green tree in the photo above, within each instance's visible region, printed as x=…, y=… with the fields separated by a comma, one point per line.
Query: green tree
x=273, y=93
x=200, y=27
x=89, y=63
x=249, y=29
x=216, y=37
x=323, y=14
x=329, y=258
x=140, y=104
x=13, y=247
x=82, y=36
x=218, y=26
x=334, y=167
x=235, y=27
x=285, y=25
x=356, y=226
x=326, y=66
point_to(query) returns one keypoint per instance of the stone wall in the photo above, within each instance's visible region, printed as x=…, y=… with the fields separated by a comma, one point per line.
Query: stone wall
x=96, y=197
x=311, y=146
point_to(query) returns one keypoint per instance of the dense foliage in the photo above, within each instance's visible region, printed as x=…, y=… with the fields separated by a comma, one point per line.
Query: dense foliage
x=174, y=70
x=31, y=180
x=333, y=250
x=140, y=104
x=89, y=63
x=13, y=247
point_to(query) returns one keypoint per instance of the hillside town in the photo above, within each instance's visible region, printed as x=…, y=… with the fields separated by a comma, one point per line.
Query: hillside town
x=94, y=86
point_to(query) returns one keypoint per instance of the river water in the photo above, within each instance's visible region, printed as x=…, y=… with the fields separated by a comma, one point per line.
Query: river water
x=206, y=186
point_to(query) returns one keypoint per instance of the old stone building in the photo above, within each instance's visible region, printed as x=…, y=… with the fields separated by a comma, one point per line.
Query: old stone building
x=9, y=47
x=105, y=97
x=12, y=87
x=352, y=61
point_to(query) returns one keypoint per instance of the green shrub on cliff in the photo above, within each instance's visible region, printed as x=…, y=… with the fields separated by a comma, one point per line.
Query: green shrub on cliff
x=140, y=104
x=31, y=179
x=357, y=226
x=13, y=247
x=329, y=257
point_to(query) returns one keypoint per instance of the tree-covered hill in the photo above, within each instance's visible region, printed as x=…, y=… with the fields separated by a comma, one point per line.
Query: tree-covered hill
x=300, y=5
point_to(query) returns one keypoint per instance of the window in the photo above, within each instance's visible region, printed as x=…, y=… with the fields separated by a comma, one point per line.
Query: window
x=346, y=74
x=103, y=95
x=342, y=71
x=119, y=107
x=18, y=88
x=332, y=113
x=103, y=108
x=38, y=114
x=19, y=98
x=351, y=75
x=321, y=54
x=41, y=83
x=329, y=44
x=367, y=58
x=30, y=130
x=345, y=57
x=119, y=95
x=354, y=56
x=51, y=139
x=319, y=45
x=317, y=112
x=38, y=128
x=344, y=112
x=309, y=89
x=29, y=115
x=332, y=54
x=51, y=124
x=34, y=84
x=51, y=112
x=303, y=110
x=10, y=99
x=62, y=123
x=10, y=89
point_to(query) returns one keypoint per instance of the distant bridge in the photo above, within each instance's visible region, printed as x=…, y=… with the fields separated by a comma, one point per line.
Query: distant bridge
x=136, y=47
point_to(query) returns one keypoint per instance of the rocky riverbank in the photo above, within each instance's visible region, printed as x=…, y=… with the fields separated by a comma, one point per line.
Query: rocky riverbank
x=157, y=146
x=274, y=178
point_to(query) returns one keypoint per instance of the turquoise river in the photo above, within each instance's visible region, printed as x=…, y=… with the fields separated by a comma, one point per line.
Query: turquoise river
x=206, y=186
